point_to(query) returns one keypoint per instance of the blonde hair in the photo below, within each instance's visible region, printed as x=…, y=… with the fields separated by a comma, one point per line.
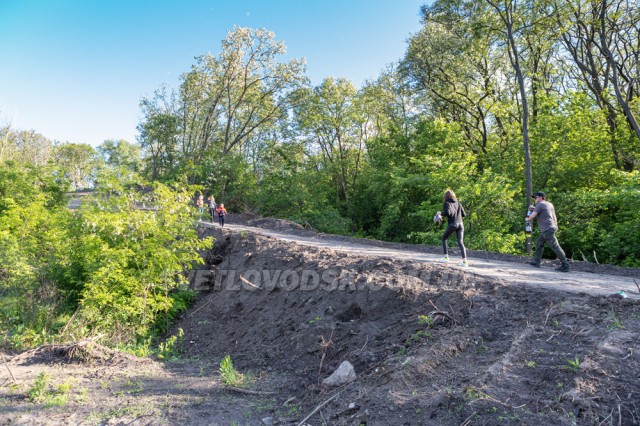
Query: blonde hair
x=448, y=194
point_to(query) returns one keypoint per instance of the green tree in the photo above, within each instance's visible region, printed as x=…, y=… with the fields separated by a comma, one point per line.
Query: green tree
x=227, y=98
x=120, y=153
x=331, y=119
x=77, y=162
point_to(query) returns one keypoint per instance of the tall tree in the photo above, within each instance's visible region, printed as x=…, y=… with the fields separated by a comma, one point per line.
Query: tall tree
x=330, y=119
x=453, y=59
x=77, y=162
x=585, y=29
x=225, y=99
x=120, y=153
x=514, y=21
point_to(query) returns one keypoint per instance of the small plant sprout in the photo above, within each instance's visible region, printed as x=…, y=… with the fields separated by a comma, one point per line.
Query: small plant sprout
x=425, y=320
x=172, y=348
x=230, y=376
x=530, y=364
x=614, y=322
x=37, y=392
x=573, y=364
x=315, y=320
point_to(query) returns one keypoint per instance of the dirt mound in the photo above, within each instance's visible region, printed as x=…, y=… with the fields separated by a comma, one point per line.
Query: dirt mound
x=83, y=352
x=429, y=344
x=280, y=225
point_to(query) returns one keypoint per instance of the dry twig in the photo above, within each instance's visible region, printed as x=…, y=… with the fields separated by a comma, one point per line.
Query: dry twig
x=246, y=281
x=249, y=392
x=318, y=408
x=206, y=304
x=8, y=369
x=324, y=345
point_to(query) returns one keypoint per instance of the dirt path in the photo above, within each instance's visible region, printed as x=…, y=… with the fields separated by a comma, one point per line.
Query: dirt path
x=515, y=273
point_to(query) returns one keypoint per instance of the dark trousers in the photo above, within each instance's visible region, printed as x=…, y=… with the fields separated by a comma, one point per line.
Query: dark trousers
x=221, y=220
x=458, y=228
x=549, y=237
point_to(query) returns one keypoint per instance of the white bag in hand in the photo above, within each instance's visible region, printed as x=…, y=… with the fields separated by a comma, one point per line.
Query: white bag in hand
x=437, y=218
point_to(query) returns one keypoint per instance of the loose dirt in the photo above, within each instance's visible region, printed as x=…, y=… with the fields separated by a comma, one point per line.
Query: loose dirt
x=431, y=344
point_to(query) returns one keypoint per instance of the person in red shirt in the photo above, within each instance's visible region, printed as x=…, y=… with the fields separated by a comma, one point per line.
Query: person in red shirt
x=222, y=212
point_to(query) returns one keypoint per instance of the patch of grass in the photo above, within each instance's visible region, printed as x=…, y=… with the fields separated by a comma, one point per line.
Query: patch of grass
x=230, y=376
x=425, y=320
x=38, y=392
x=480, y=347
x=572, y=364
x=134, y=386
x=294, y=409
x=136, y=410
x=530, y=364
x=264, y=405
x=418, y=336
x=172, y=348
x=315, y=320
x=82, y=397
x=614, y=322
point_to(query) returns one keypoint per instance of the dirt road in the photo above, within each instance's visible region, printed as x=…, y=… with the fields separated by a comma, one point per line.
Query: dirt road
x=516, y=273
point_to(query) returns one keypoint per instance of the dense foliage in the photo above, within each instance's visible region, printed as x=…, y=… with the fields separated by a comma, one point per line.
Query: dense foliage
x=108, y=269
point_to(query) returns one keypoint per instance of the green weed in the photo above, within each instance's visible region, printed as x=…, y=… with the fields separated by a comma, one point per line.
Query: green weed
x=230, y=376
x=614, y=322
x=315, y=320
x=573, y=364
x=425, y=320
x=172, y=348
x=38, y=390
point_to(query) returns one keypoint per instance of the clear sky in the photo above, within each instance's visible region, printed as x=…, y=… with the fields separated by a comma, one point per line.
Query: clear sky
x=75, y=70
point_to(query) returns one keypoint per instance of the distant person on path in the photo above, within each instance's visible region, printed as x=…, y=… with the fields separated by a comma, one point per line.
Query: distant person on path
x=212, y=206
x=222, y=212
x=200, y=204
x=546, y=214
x=454, y=212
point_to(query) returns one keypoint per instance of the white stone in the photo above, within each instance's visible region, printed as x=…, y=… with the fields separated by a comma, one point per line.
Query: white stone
x=344, y=374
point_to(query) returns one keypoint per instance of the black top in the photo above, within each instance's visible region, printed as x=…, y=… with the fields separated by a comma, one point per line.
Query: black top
x=454, y=211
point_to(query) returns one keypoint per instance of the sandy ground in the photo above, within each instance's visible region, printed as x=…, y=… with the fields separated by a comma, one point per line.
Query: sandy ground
x=497, y=343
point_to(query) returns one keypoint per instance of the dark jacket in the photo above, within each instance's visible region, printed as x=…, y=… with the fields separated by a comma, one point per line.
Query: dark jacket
x=454, y=211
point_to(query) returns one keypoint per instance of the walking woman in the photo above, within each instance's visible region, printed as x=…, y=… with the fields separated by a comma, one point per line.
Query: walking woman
x=212, y=207
x=454, y=212
x=222, y=212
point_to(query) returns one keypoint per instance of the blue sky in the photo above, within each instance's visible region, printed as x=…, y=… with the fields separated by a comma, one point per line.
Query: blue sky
x=75, y=70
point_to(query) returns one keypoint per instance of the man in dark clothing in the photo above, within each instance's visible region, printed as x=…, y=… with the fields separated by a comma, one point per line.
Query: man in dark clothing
x=454, y=212
x=546, y=214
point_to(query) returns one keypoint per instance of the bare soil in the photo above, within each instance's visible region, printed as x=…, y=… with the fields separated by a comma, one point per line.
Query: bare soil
x=430, y=345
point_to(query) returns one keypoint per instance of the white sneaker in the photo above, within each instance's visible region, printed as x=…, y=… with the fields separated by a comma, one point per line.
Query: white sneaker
x=464, y=263
x=444, y=259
